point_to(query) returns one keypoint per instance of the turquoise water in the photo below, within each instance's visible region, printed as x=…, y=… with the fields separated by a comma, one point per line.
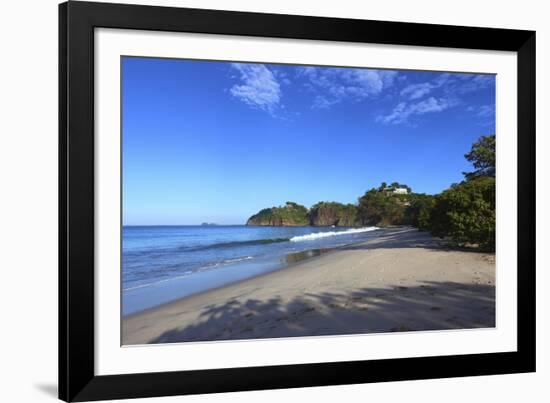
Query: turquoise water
x=163, y=263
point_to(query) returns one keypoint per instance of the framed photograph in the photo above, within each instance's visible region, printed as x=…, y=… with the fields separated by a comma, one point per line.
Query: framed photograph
x=257, y=201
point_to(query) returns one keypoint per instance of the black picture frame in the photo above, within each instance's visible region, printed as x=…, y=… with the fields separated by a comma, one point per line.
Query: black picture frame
x=77, y=379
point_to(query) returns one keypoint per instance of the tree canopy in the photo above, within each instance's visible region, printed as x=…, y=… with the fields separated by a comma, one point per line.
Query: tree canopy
x=466, y=213
x=483, y=157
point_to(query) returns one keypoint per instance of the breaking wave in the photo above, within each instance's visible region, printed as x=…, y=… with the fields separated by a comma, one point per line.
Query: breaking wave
x=317, y=235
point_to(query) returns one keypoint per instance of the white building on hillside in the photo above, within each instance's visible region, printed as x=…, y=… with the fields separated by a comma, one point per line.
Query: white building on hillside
x=398, y=191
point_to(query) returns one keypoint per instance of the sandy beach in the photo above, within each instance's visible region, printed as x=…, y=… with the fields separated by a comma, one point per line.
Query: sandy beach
x=402, y=280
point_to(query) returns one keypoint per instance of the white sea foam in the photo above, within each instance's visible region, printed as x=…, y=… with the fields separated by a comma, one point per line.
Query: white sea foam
x=239, y=259
x=317, y=235
x=225, y=262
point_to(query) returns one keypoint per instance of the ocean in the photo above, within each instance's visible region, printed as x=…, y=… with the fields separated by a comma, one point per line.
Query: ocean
x=164, y=263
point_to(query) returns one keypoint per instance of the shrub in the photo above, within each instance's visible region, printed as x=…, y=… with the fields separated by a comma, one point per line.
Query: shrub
x=333, y=213
x=377, y=208
x=466, y=213
x=419, y=211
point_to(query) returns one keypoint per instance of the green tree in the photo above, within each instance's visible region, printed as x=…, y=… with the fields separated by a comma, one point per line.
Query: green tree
x=383, y=186
x=419, y=211
x=289, y=214
x=466, y=213
x=378, y=208
x=482, y=156
x=333, y=213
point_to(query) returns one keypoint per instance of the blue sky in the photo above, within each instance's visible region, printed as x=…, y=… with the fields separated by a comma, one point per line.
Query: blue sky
x=217, y=141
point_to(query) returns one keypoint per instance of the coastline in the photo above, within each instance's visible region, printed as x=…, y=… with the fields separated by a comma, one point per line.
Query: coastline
x=402, y=280
x=226, y=261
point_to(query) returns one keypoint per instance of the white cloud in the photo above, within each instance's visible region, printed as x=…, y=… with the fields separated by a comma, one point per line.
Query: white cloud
x=436, y=95
x=321, y=102
x=370, y=82
x=415, y=91
x=259, y=87
x=449, y=84
x=419, y=90
x=482, y=111
x=466, y=83
x=486, y=111
x=445, y=78
x=484, y=80
x=485, y=114
x=432, y=105
x=403, y=110
x=334, y=85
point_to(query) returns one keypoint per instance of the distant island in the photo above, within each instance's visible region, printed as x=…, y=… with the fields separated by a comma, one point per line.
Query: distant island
x=209, y=224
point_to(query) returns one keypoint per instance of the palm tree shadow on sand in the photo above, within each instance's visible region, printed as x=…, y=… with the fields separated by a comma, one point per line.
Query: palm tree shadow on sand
x=428, y=306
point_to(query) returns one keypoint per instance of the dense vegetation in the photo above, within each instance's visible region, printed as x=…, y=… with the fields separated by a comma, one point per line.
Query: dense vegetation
x=289, y=214
x=483, y=158
x=377, y=207
x=464, y=213
x=332, y=213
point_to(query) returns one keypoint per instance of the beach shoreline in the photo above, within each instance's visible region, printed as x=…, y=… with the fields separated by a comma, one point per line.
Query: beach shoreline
x=402, y=280
x=186, y=260
x=289, y=261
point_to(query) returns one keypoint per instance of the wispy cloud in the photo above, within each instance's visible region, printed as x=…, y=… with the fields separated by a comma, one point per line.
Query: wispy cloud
x=320, y=102
x=474, y=83
x=485, y=114
x=447, y=82
x=403, y=111
x=436, y=95
x=401, y=97
x=259, y=87
x=415, y=91
x=334, y=85
x=486, y=111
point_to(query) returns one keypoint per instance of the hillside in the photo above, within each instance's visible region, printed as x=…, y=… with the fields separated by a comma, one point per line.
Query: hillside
x=291, y=214
x=332, y=213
